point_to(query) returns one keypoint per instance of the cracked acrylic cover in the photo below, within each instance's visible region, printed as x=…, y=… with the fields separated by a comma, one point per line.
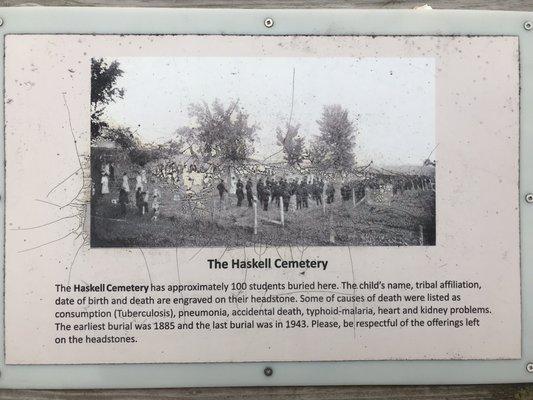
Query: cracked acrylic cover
x=297, y=198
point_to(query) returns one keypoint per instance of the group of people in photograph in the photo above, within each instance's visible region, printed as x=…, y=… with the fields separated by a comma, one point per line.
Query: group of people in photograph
x=146, y=203
x=279, y=191
x=267, y=191
x=272, y=190
x=306, y=189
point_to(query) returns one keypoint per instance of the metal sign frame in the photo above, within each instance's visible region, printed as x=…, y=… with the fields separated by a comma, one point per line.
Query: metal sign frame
x=292, y=22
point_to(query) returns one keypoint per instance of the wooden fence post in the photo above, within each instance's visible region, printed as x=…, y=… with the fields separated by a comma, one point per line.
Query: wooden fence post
x=421, y=235
x=353, y=196
x=255, y=216
x=323, y=204
x=331, y=231
x=281, y=211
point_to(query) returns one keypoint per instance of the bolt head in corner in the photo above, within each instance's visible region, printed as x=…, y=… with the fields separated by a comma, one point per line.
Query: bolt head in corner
x=269, y=22
x=268, y=371
x=529, y=367
x=1, y=22
x=528, y=25
x=529, y=198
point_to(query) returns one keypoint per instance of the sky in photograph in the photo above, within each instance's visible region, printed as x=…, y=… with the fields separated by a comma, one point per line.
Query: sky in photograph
x=391, y=100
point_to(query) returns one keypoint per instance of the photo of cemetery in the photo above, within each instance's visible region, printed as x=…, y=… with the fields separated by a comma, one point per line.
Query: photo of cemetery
x=222, y=152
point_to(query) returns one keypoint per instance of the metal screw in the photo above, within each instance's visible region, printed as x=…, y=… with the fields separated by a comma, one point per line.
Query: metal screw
x=528, y=25
x=269, y=22
x=529, y=367
x=1, y=22
x=529, y=197
x=269, y=371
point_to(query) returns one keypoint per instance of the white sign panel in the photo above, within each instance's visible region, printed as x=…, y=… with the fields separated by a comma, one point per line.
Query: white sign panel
x=267, y=198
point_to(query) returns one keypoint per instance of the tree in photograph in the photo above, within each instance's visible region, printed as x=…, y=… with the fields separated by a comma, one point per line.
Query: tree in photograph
x=220, y=132
x=428, y=163
x=138, y=152
x=104, y=90
x=293, y=145
x=122, y=136
x=173, y=146
x=144, y=154
x=317, y=153
x=333, y=148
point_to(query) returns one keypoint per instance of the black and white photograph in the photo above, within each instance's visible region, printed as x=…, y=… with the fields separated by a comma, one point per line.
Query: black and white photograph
x=277, y=151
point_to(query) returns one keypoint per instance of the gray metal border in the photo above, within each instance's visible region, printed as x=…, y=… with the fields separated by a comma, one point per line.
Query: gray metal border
x=74, y=20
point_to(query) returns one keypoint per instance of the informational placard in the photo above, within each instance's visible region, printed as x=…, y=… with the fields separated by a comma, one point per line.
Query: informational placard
x=207, y=198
